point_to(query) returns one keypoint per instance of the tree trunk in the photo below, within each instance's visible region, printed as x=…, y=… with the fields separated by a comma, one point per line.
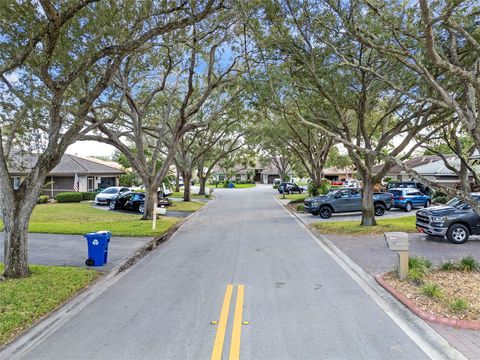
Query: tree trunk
x=151, y=197
x=16, y=217
x=368, y=211
x=203, y=185
x=464, y=179
x=177, y=181
x=187, y=177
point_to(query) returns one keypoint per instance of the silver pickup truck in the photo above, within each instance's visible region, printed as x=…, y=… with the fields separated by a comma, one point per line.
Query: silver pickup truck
x=345, y=200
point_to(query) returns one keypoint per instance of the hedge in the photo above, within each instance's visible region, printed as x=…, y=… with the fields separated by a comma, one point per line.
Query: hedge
x=42, y=199
x=88, y=195
x=67, y=197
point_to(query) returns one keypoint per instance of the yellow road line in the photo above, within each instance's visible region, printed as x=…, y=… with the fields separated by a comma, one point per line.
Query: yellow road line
x=222, y=325
x=237, y=325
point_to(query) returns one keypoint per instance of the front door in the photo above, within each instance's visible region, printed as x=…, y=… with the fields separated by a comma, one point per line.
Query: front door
x=90, y=184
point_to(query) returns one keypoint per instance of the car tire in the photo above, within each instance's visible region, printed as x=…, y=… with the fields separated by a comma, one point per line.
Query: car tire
x=90, y=262
x=141, y=208
x=427, y=204
x=379, y=209
x=457, y=234
x=408, y=207
x=111, y=205
x=325, y=212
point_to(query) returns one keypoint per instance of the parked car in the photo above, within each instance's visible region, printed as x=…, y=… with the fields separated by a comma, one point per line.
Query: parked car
x=105, y=196
x=456, y=220
x=135, y=201
x=345, y=200
x=408, y=185
x=289, y=188
x=409, y=198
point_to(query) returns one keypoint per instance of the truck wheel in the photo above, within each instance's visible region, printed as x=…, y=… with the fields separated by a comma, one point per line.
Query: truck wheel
x=408, y=207
x=427, y=203
x=325, y=212
x=457, y=234
x=141, y=208
x=379, y=210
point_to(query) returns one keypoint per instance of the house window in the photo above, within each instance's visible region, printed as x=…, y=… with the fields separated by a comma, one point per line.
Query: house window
x=221, y=177
x=238, y=177
x=16, y=182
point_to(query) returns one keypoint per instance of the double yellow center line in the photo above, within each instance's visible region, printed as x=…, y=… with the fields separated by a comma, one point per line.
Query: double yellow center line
x=222, y=324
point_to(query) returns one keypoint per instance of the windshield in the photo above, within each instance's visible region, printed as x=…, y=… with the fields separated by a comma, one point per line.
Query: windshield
x=459, y=204
x=110, y=191
x=395, y=192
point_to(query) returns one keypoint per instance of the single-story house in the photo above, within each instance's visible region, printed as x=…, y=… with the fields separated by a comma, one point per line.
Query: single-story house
x=430, y=166
x=92, y=174
x=338, y=174
x=397, y=173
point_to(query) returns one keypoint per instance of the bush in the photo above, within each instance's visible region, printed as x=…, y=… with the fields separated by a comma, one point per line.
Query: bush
x=440, y=200
x=458, y=305
x=468, y=263
x=42, y=199
x=417, y=268
x=300, y=208
x=68, y=197
x=431, y=290
x=88, y=195
x=449, y=266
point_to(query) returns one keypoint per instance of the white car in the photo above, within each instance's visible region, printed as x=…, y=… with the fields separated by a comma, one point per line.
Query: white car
x=104, y=197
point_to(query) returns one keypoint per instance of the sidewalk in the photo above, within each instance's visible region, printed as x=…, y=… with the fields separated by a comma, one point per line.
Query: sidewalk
x=71, y=250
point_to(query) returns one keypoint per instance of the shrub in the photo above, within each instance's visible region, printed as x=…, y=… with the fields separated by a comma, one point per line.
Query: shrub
x=42, y=199
x=300, y=208
x=449, y=266
x=431, y=290
x=88, y=195
x=417, y=268
x=67, y=197
x=468, y=263
x=440, y=200
x=458, y=305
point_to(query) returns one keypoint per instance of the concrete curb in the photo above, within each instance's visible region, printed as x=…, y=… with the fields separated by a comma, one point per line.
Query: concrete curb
x=462, y=324
x=45, y=326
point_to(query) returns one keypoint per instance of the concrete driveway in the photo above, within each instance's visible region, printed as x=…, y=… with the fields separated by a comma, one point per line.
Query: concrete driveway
x=71, y=250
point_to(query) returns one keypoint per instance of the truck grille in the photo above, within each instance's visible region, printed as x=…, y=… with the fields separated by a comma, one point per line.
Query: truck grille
x=423, y=219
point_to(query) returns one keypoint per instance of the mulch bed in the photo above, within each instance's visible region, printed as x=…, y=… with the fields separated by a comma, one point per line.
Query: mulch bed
x=454, y=285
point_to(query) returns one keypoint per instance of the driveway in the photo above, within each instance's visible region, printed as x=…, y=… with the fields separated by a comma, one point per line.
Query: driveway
x=71, y=250
x=241, y=259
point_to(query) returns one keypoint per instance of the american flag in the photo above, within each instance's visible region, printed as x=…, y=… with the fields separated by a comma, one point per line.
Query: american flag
x=76, y=182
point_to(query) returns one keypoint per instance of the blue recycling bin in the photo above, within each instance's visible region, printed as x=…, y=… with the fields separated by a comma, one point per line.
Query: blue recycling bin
x=231, y=185
x=97, y=247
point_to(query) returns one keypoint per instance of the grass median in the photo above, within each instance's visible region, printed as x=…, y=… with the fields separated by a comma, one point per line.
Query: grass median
x=179, y=194
x=24, y=301
x=81, y=218
x=404, y=224
x=185, y=206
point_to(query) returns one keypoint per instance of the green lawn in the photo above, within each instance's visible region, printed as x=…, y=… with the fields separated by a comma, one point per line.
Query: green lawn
x=24, y=301
x=81, y=218
x=404, y=224
x=294, y=197
x=185, y=206
x=192, y=196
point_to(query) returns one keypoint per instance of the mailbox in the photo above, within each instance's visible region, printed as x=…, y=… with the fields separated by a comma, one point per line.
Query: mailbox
x=398, y=242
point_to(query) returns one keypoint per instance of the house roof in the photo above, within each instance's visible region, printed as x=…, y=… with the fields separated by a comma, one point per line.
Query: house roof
x=439, y=168
x=338, y=171
x=413, y=163
x=69, y=165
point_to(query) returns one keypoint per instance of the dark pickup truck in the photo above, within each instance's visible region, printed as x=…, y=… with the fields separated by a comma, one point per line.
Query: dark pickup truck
x=456, y=220
x=345, y=200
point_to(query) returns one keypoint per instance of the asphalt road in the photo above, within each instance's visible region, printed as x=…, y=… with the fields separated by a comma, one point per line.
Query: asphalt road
x=298, y=302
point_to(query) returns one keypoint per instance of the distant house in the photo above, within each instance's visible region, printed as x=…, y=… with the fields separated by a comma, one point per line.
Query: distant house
x=92, y=174
x=397, y=173
x=264, y=174
x=431, y=167
x=338, y=174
